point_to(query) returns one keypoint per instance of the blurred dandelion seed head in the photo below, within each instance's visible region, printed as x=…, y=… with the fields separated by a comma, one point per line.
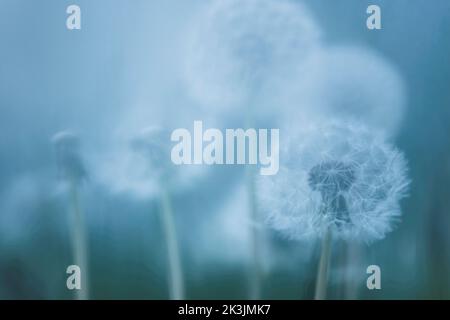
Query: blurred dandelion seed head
x=350, y=82
x=68, y=157
x=151, y=144
x=340, y=176
x=238, y=48
x=140, y=165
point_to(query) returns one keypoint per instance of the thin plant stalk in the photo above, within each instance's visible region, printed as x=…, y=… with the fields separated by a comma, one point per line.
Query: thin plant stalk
x=175, y=270
x=79, y=242
x=353, y=256
x=255, y=274
x=322, y=274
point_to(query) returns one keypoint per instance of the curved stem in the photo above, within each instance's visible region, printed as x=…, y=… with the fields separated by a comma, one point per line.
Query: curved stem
x=175, y=270
x=322, y=274
x=255, y=272
x=79, y=243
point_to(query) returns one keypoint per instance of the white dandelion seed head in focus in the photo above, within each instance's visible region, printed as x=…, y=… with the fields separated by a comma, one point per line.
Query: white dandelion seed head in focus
x=350, y=82
x=338, y=176
x=238, y=48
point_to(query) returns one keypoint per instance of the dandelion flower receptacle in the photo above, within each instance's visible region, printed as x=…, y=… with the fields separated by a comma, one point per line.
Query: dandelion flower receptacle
x=336, y=181
x=72, y=170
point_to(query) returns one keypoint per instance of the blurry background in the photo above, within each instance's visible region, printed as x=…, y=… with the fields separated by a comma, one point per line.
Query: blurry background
x=126, y=70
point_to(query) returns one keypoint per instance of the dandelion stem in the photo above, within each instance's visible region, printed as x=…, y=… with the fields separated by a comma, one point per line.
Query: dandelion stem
x=79, y=242
x=352, y=257
x=255, y=273
x=322, y=274
x=175, y=271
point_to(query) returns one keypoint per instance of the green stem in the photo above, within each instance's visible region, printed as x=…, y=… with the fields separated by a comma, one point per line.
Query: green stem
x=322, y=274
x=175, y=270
x=255, y=271
x=79, y=243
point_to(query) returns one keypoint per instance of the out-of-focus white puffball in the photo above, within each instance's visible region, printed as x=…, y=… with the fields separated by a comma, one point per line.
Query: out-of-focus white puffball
x=349, y=83
x=141, y=165
x=69, y=160
x=237, y=51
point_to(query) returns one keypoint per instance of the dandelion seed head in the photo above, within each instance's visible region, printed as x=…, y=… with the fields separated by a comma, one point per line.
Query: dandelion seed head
x=140, y=165
x=338, y=176
x=69, y=161
x=151, y=144
x=238, y=48
x=350, y=82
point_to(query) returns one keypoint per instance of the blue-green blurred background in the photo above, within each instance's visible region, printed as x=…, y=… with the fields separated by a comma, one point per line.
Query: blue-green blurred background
x=123, y=71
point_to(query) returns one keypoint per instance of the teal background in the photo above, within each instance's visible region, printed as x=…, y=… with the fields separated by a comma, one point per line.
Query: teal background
x=128, y=53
